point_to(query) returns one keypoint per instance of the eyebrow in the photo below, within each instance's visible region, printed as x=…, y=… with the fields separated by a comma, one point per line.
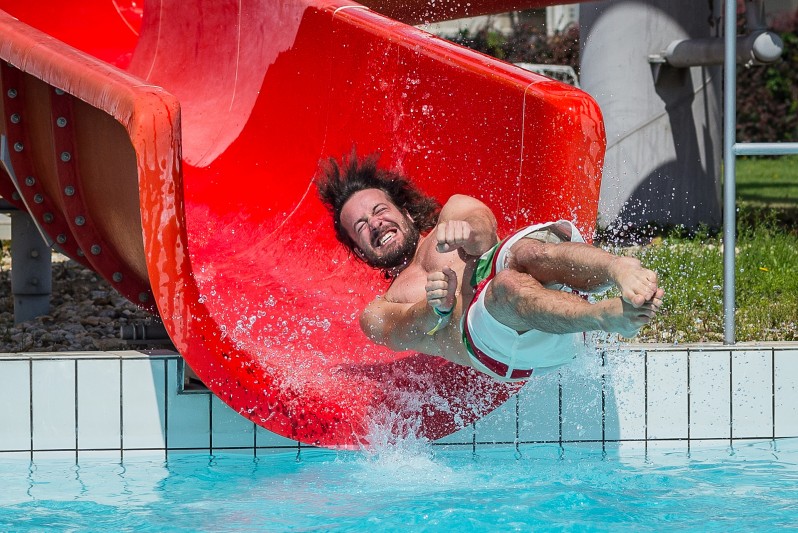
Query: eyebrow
x=364, y=218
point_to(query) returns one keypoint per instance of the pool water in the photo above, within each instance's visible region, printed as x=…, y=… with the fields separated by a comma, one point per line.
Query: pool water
x=418, y=488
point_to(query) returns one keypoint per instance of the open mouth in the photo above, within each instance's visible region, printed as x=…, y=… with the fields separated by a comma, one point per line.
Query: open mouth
x=385, y=238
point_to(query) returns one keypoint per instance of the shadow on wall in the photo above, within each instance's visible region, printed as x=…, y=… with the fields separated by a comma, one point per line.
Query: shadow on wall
x=684, y=190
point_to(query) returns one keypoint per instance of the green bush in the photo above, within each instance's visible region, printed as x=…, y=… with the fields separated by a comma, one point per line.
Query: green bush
x=767, y=95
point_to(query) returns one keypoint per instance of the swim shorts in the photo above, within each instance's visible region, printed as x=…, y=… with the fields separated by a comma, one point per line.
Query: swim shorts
x=497, y=349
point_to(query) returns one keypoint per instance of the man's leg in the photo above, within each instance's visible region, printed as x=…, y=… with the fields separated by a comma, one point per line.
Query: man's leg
x=584, y=268
x=521, y=302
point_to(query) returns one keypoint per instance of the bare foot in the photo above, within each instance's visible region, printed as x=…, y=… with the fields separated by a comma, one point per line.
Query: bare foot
x=620, y=316
x=638, y=285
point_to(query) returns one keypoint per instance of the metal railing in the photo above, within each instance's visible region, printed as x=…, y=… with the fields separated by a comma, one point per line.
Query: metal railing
x=731, y=149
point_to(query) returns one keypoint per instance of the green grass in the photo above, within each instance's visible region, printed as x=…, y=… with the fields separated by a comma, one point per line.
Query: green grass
x=691, y=272
x=772, y=182
x=690, y=267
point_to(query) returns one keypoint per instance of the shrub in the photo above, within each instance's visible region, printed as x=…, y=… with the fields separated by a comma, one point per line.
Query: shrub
x=767, y=95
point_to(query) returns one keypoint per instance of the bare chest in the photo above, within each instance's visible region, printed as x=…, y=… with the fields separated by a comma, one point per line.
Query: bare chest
x=409, y=285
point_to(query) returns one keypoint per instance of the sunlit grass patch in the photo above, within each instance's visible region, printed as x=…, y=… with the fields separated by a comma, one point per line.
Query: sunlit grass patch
x=691, y=272
x=768, y=181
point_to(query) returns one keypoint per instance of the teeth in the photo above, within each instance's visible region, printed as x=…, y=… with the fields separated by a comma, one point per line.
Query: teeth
x=387, y=237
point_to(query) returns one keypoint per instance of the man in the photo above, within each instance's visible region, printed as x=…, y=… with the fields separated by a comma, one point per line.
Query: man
x=517, y=310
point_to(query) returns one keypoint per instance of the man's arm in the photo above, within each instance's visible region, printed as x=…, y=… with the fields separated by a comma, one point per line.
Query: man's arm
x=401, y=326
x=412, y=326
x=466, y=223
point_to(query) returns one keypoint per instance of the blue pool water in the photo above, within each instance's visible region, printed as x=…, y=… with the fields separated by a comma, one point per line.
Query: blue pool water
x=423, y=488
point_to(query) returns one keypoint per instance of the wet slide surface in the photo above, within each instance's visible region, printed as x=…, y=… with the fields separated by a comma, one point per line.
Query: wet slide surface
x=194, y=132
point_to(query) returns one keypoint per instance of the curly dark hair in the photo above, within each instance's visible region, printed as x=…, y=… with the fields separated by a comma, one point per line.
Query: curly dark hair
x=336, y=183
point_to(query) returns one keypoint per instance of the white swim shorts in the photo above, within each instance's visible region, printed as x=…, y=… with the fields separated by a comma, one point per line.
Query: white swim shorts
x=499, y=350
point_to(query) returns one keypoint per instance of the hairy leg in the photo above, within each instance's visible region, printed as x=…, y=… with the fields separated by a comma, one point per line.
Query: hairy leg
x=585, y=268
x=521, y=302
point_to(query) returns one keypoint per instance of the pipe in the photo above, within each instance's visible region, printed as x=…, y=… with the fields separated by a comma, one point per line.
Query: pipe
x=756, y=48
x=144, y=332
x=729, y=162
x=765, y=148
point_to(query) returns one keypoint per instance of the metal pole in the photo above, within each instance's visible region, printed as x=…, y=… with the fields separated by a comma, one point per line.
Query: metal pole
x=31, y=274
x=765, y=148
x=729, y=162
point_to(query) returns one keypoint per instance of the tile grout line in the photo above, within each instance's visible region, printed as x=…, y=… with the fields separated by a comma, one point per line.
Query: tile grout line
x=121, y=411
x=165, y=407
x=731, y=398
x=645, y=401
x=559, y=408
x=517, y=420
x=210, y=423
x=77, y=442
x=773, y=393
x=30, y=404
x=603, y=401
x=689, y=400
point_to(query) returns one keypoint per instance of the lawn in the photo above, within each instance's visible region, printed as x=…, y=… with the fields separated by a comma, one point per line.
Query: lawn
x=690, y=267
x=767, y=181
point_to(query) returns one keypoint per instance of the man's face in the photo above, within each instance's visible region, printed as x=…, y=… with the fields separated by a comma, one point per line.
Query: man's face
x=384, y=236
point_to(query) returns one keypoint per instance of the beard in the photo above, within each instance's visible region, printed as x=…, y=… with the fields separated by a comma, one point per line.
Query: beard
x=398, y=256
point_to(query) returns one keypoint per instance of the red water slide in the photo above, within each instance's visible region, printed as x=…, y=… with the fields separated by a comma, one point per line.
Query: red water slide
x=172, y=149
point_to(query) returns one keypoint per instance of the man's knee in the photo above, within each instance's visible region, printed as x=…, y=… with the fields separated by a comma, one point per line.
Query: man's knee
x=507, y=288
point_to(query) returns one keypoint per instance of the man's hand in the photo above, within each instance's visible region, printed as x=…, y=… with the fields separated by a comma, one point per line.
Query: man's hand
x=453, y=234
x=441, y=289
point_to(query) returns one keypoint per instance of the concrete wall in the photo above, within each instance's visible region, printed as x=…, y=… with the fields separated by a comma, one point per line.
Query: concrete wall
x=663, y=124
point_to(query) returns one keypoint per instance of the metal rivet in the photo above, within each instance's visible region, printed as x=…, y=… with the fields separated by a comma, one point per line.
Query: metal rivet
x=79, y=220
x=59, y=92
x=34, y=253
x=61, y=121
x=30, y=181
x=95, y=249
x=15, y=195
x=34, y=281
x=15, y=118
x=38, y=198
x=61, y=238
x=48, y=217
x=12, y=93
x=69, y=190
x=65, y=156
x=117, y=277
x=19, y=147
x=80, y=253
x=143, y=296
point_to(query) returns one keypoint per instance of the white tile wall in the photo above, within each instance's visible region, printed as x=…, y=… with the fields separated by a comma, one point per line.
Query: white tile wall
x=144, y=403
x=266, y=439
x=53, y=405
x=499, y=425
x=99, y=413
x=752, y=398
x=667, y=395
x=786, y=392
x=15, y=405
x=229, y=429
x=539, y=409
x=582, y=406
x=463, y=436
x=710, y=374
x=127, y=404
x=625, y=404
x=189, y=415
